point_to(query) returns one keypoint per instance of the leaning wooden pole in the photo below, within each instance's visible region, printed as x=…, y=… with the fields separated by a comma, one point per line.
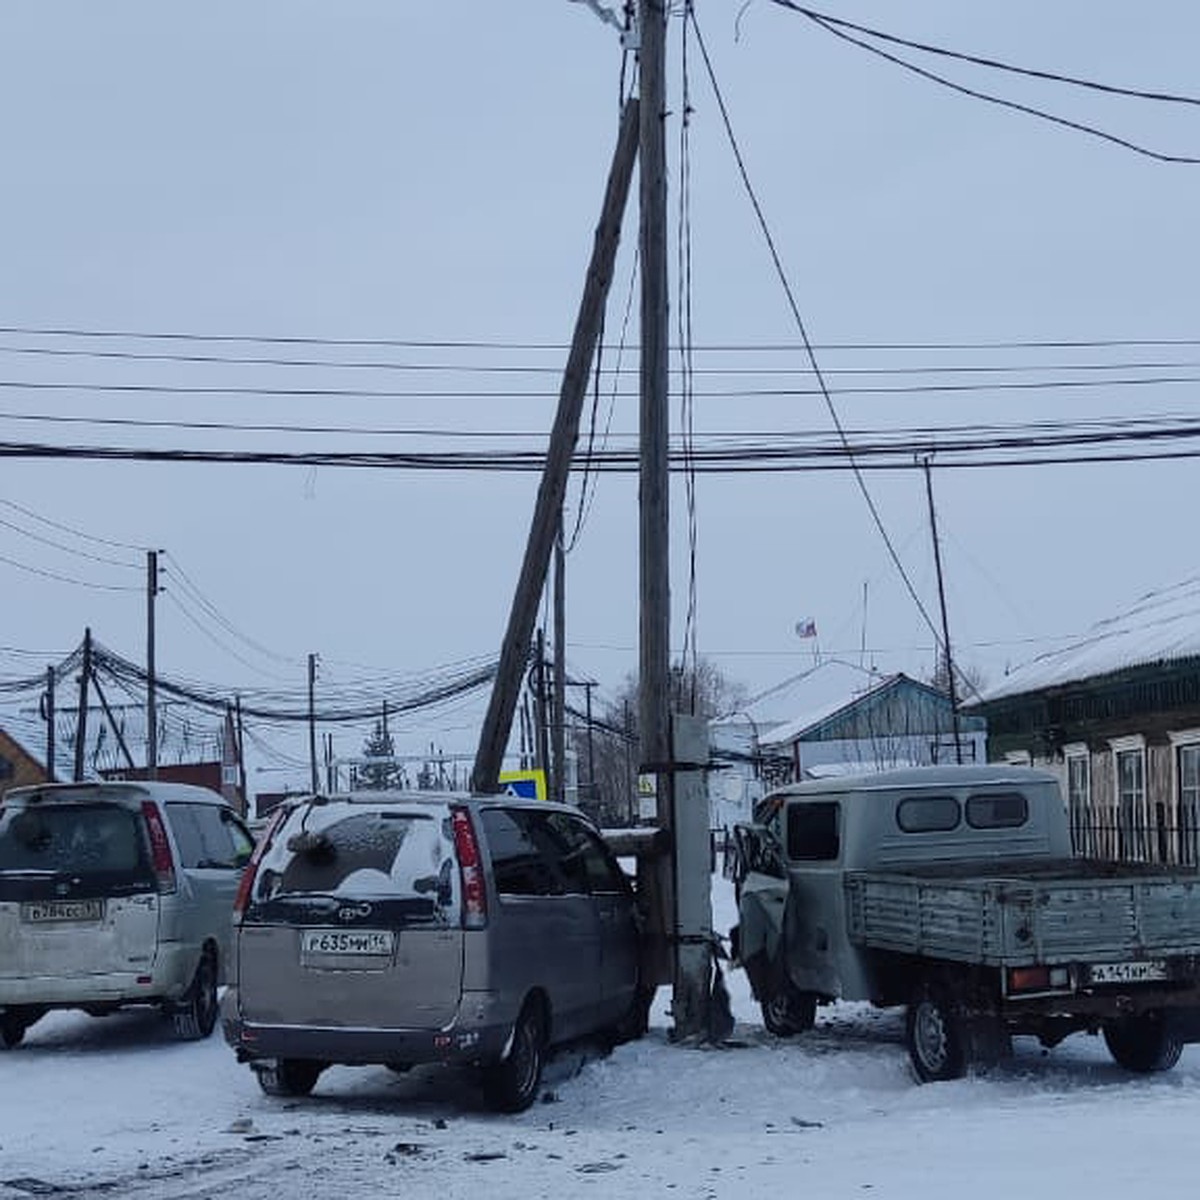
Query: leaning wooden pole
x=514, y=653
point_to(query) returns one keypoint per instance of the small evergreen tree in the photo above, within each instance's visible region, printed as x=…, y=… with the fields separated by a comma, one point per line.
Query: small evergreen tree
x=381, y=775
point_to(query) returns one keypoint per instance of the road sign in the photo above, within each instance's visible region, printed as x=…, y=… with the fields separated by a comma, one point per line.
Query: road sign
x=529, y=785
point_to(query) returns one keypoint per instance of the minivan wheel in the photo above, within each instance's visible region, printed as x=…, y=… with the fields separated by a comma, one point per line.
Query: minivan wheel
x=195, y=1016
x=289, y=1076
x=511, y=1085
x=14, y=1022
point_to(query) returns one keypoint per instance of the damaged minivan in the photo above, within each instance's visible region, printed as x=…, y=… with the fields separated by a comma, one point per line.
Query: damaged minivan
x=397, y=928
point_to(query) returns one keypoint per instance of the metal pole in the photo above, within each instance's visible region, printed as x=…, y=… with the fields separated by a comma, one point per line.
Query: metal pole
x=312, y=723
x=241, y=753
x=543, y=749
x=937, y=562
x=151, y=678
x=514, y=653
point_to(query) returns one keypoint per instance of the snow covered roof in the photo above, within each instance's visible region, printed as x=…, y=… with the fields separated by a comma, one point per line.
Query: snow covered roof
x=1162, y=627
x=791, y=730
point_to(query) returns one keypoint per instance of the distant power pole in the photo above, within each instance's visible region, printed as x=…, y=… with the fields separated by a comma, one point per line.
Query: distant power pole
x=559, y=728
x=941, y=586
x=48, y=709
x=85, y=674
x=312, y=723
x=151, y=681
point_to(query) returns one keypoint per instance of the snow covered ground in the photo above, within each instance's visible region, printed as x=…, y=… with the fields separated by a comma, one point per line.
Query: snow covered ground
x=113, y=1107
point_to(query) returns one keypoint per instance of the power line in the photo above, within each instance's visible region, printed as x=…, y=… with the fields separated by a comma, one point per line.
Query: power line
x=79, y=533
x=400, y=343
x=32, y=570
x=839, y=30
x=799, y=320
x=993, y=63
x=45, y=541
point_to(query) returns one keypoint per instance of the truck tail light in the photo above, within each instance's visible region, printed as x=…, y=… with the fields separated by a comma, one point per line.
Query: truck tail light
x=160, y=847
x=1028, y=979
x=250, y=871
x=470, y=868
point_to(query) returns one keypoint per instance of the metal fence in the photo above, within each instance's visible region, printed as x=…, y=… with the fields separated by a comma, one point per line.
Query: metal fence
x=1158, y=837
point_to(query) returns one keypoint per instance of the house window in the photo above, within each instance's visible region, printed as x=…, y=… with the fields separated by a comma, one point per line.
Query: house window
x=1079, y=805
x=1188, y=765
x=1132, y=834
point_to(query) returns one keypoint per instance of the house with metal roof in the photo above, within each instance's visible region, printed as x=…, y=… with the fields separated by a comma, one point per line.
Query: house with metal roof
x=895, y=721
x=1116, y=714
x=17, y=766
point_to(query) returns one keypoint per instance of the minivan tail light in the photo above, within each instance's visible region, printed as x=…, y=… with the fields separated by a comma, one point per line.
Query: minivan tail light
x=160, y=847
x=470, y=868
x=242, y=900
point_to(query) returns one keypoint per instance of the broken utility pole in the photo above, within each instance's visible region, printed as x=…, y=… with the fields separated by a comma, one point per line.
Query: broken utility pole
x=514, y=653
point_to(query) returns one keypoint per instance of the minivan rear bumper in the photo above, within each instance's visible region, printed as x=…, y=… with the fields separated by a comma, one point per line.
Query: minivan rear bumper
x=166, y=979
x=475, y=1036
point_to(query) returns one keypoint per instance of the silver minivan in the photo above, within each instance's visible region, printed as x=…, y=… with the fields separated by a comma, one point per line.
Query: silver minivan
x=397, y=928
x=114, y=894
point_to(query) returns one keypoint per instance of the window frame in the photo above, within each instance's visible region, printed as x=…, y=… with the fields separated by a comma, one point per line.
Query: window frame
x=911, y=800
x=993, y=796
x=832, y=805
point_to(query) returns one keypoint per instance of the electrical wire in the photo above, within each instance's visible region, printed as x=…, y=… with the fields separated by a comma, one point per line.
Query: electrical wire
x=45, y=574
x=993, y=63
x=45, y=541
x=801, y=327
x=987, y=97
x=398, y=343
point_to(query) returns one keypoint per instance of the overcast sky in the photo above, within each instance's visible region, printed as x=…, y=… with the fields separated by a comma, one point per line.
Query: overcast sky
x=432, y=173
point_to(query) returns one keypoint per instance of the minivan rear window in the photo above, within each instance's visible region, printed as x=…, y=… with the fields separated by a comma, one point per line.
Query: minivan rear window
x=345, y=851
x=83, y=839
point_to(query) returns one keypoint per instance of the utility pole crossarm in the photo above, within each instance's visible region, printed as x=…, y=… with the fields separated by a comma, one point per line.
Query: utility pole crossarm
x=514, y=653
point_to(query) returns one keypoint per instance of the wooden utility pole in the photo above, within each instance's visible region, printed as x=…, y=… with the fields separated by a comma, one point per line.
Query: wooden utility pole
x=85, y=674
x=50, y=731
x=151, y=678
x=941, y=586
x=312, y=723
x=558, y=790
x=654, y=462
x=241, y=754
x=674, y=748
x=514, y=653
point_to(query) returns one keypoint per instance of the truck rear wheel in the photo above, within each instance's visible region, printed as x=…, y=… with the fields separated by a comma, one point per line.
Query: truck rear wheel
x=937, y=1036
x=1144, y=1043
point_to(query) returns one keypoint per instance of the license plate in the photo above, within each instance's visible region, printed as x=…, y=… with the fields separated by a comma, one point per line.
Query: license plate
x=1129, y=972
x=347, y=943
x=46, y=912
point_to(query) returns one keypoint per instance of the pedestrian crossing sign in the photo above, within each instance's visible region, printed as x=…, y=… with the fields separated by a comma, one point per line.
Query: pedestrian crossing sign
x=529, y=785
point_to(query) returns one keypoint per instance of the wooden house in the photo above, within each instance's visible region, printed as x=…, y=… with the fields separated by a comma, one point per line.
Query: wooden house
x=1117, y=715
x=17, y=766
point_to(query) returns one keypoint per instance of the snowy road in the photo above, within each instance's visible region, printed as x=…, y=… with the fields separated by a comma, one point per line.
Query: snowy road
x=112, y=1107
